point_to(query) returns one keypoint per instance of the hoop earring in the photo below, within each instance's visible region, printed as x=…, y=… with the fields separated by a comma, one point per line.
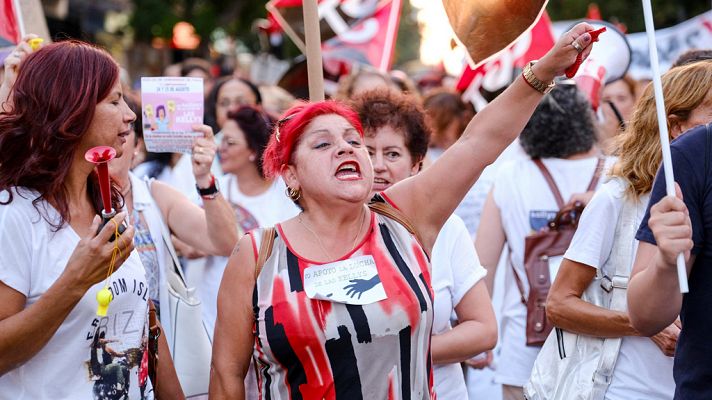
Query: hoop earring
x=293, y=194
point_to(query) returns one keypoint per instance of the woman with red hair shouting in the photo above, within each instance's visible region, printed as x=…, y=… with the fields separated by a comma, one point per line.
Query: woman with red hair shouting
x=342, y=306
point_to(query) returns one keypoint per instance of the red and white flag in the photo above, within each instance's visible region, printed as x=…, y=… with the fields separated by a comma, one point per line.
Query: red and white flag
x=363, y=31
x=9, y=27
x=498, y=72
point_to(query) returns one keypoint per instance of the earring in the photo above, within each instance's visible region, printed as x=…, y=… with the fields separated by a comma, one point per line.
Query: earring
x=252, y=158
x=293, y=194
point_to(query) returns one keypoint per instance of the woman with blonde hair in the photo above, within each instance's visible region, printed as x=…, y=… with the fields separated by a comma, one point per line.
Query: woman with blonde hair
x=600, y=256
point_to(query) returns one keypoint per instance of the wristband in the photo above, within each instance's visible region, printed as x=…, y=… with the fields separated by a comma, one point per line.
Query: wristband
x=209, y=192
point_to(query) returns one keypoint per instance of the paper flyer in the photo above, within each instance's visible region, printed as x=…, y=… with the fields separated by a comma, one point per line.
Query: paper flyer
x=353, y=281
x=171, y=106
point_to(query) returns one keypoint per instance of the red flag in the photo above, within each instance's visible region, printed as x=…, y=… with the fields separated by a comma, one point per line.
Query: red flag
x=497, y=73
x=378, y=40
x=593, y=12
x=362, y=31
x=9, y=29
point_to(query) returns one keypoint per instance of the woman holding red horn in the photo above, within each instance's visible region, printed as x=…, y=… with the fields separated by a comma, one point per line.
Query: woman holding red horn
x=54, y=341
x=342, y=307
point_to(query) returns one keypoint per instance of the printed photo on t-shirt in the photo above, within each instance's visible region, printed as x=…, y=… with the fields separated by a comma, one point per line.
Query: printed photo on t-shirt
x=244, y=218
x=117, y=363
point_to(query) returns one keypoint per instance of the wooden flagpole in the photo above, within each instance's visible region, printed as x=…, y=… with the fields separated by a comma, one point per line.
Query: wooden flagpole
x=313, y=43
x=662, y=124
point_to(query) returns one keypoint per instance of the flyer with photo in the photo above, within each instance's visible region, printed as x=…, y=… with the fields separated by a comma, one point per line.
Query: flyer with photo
x=171, y=106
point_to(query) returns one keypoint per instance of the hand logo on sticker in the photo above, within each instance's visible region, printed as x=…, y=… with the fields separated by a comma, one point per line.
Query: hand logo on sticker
x=345, y=281
x=360, y=286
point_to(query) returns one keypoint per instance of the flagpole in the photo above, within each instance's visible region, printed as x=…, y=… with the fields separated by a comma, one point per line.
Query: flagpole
x=20, y=20
x=390, y=36
x=312, y=38
x=663, y=128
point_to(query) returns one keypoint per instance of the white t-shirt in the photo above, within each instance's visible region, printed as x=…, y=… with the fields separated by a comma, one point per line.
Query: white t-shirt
x=88, y=355
x=180, y=177
x=642, y=371
x=470, y=208
x=526, y=204
x=265, y=209
x=455, y=270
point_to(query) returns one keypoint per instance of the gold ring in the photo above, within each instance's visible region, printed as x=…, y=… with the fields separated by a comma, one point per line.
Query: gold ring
x=577, y=46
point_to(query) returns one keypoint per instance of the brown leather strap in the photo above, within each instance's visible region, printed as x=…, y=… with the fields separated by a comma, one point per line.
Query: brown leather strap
x=268, y=235
x=550, y=181
x=596, y=174
x=552, y=184
x=517, y=279
x=385, y=209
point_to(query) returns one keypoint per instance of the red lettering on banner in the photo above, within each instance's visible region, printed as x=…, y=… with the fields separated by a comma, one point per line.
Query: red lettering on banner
x=358, y=30
x=498, y=72
x=707, y=24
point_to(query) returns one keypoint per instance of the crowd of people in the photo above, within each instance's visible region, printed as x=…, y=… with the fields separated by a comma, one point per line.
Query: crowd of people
x=373, y=245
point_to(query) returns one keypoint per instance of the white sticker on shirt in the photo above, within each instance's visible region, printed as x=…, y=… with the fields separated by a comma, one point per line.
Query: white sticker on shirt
x=353, y=281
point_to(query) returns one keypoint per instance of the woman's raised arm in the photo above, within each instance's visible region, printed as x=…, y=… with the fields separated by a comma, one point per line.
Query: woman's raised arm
x=431, y=196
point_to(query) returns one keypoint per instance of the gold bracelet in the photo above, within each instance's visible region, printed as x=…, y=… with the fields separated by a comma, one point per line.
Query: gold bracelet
x=535, y=82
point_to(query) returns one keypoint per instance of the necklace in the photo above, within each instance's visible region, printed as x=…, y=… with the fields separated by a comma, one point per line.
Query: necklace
x=321, y=244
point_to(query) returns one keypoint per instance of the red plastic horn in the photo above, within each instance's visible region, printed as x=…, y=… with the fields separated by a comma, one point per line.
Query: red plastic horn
x=571, y=71
x=100, y=156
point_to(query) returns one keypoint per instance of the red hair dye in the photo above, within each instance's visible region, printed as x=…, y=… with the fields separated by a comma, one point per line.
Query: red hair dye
x=54, y=98
x=290, y=127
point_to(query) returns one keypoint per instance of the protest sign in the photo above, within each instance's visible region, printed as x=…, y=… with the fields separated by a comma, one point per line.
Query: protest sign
x=695, y=33
x=170, y=107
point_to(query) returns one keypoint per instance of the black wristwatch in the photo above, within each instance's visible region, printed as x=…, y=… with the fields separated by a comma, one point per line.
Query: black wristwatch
x=209, y=192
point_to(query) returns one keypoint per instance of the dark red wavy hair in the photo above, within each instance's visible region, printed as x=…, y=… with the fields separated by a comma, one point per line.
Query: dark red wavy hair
x=53, y=102
x=290, y=127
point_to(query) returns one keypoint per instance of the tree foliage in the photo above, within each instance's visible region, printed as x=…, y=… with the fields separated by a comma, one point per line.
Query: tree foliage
x=155, y=18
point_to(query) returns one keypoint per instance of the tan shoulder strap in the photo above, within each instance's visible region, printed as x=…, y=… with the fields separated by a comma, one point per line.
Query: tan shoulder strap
x=392, y=213
x=385, y=209
x=267, y=241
